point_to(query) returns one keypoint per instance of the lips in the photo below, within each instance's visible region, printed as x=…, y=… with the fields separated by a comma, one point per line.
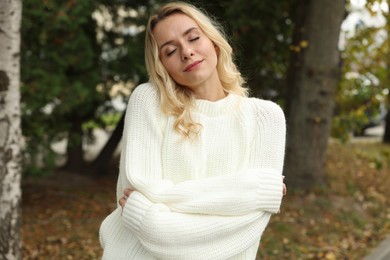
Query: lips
x=192, y=65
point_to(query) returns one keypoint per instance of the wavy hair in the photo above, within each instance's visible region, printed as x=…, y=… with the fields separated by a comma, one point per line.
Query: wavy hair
x=175, y=99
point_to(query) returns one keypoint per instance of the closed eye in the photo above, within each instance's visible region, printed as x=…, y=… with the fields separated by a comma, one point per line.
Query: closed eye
x=171, y=52
x=194, y=39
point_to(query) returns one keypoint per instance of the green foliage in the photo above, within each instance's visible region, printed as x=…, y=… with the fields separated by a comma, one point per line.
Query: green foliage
x=109, y=119
x=121, y=36
x=262, y=37
x=363, y=89
x=60, y=72
x=71, y=61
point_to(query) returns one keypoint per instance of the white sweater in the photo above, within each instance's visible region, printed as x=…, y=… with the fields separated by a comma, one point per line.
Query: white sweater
x=210, y=198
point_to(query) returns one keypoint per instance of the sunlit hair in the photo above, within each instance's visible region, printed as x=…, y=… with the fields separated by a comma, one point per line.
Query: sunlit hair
x=178, y=100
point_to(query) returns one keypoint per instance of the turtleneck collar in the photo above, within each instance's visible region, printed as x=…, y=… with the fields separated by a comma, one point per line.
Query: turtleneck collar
x=219, y=107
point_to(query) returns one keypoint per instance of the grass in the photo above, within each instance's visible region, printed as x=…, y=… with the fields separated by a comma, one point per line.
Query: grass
x=343, y=220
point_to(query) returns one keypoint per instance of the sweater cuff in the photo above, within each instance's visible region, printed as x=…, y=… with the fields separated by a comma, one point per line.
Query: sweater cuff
x=270, y=191
x=134, y=211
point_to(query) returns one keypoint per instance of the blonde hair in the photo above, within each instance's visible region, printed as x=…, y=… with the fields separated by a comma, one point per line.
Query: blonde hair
x=175, y=99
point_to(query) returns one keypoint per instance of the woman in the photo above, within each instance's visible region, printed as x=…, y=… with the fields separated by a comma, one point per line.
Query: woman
x=201, y=163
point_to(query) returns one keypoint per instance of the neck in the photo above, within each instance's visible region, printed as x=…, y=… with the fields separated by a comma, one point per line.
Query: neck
x=211, y=90
x=211, y=94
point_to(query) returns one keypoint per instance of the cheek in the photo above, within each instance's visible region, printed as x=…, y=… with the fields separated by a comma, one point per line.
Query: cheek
x=168, y=65
x=172, y=68
x=211, y=51
x=214, y=56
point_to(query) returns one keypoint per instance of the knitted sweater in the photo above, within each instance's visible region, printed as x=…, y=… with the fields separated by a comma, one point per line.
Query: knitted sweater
x=207, y=198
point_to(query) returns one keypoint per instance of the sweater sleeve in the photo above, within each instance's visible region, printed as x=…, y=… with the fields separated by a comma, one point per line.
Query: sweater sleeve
x=171, y=235
x=268, y=146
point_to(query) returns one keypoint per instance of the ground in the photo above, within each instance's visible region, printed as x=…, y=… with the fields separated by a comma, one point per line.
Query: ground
x=61, y=216
x=344, y=219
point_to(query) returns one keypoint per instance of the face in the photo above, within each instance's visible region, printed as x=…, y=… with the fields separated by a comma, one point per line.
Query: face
x=186, y=52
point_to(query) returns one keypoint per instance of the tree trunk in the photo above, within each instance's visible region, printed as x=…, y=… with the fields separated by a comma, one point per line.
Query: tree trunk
x=311, y=81
x=100, y=166
x=386, y=136
x=10, y=133
x=74, y=149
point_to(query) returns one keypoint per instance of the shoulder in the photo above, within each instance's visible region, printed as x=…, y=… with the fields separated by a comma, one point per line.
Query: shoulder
x=266, y=111
x=145, y=92
x=144, y=100
x=144, y=105
x=145, y=97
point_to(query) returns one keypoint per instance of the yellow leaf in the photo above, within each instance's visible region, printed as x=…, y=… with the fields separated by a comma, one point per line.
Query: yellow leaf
x=330, y=256
x=304, y=44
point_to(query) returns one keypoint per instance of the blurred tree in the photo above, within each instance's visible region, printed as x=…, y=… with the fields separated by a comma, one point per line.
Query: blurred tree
x=121, y=33
x=10, y=132
x=312, y=80
x=74, y=56
x=60, y=72
x=386, y=136
x=362, y=91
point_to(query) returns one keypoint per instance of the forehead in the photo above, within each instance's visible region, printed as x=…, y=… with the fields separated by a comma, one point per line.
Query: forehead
x=173, y=27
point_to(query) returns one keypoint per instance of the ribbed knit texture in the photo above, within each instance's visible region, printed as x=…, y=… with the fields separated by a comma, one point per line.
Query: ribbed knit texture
x=208, y=198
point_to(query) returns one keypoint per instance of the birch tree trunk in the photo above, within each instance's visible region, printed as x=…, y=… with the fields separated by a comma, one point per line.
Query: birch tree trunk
x=311, y=82
x=10, y=133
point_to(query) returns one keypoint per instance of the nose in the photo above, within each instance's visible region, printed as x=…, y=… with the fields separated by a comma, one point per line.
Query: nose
x=187, y=53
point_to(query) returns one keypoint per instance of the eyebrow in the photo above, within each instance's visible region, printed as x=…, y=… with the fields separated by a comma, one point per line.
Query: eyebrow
x=184, y=34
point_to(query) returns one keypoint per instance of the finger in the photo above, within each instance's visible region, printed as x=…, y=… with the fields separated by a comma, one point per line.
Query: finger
x=127, y=192
x=122, y=202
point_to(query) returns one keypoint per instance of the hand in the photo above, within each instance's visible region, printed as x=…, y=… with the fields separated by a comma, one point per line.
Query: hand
x=126, y=194
x=284, y=191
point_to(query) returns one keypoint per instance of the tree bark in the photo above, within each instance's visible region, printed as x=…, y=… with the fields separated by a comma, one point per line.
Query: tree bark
x=312, y=80
x=386, y=136
x=74, y=149
x=10, y=132
x=100, y=166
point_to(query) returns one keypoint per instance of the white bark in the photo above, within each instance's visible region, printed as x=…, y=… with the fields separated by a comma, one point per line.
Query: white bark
x=10, y=132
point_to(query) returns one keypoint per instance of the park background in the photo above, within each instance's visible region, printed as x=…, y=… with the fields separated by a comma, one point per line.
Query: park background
x=325, y=62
